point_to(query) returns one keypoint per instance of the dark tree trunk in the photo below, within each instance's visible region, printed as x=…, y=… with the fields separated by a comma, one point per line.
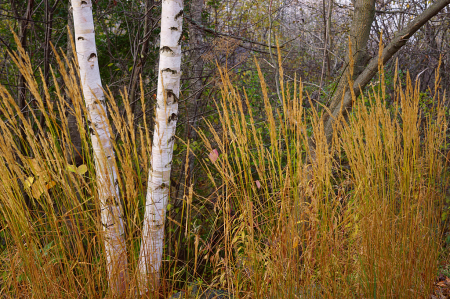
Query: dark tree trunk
x=75, y=148
x=142, y=55
x=342, y=101
x=193, y=100
x=359, y=35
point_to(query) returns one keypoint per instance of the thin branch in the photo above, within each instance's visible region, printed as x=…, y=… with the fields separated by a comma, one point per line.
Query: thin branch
x=216, y=33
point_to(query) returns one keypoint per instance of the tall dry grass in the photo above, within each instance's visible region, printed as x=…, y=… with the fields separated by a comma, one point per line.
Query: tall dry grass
x=362, y=221
x=49, y=206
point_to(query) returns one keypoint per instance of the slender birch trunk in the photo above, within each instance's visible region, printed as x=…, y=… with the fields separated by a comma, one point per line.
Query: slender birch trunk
x=163, y=139
x=108, y=191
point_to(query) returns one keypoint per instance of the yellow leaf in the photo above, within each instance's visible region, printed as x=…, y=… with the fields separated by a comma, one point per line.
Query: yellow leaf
x=71, y=168
x=295, y=245
x=28, y=182
x=82, y=169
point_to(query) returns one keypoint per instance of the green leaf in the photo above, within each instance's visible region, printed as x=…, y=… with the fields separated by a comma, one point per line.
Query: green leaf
x=47, y=247
x=72, y=168
x=110, y=64
x=444, y=216
x=130, y=68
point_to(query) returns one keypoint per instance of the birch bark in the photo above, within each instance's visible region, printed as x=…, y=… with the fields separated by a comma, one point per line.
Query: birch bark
x=106, y=172
x=162, y=148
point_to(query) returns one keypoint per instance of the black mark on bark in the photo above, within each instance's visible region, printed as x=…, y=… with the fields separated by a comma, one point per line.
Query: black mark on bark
x=166, y=49
x=169, y=70
x=172, y=117
x=92, y=57
x=179, y=14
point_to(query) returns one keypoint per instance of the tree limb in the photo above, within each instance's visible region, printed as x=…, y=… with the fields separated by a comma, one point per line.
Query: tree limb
x=369, y=72
x=216, y=33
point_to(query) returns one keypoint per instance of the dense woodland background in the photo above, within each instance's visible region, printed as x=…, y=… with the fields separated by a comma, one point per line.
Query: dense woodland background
x=294, y=43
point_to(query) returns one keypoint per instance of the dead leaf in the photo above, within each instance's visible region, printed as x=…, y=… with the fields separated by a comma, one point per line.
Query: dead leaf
x=213, y=155
x=50, y=185
x=37, y=189
x=34, y=165
x=258, y=184
x=444, y=283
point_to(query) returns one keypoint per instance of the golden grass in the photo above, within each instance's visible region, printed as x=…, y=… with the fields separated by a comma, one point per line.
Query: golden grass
x=368, y=230
x=362, y=221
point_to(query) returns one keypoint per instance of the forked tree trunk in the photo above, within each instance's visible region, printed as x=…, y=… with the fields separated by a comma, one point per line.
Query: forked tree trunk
x=106, y=172
x=342, y=100
x=359, y=35
x=162, y=147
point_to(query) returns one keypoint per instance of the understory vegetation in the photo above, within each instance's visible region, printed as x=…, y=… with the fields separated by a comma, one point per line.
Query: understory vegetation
x=275, y=212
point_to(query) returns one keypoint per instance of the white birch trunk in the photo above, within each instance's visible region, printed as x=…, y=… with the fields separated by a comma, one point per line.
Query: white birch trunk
x=106, y=172
x=162, y=148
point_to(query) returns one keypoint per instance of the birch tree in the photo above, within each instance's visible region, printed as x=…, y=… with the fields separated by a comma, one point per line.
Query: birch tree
x=162, y=147
x=106, y=172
